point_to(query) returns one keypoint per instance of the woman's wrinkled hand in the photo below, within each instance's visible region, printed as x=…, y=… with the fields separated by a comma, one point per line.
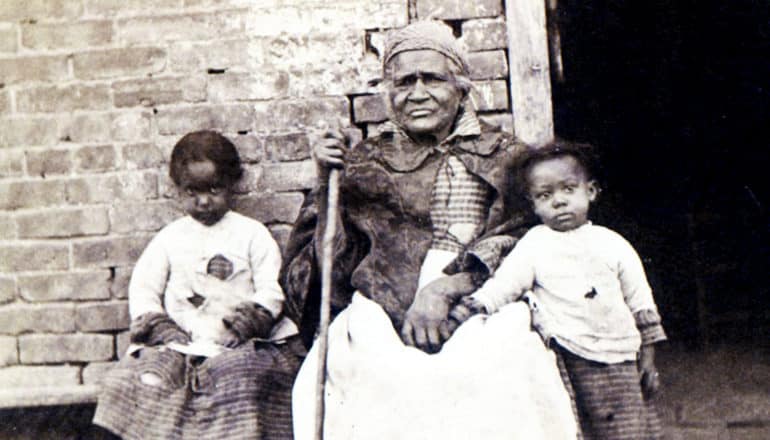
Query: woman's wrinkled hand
x=329, y=151
x=425, y=323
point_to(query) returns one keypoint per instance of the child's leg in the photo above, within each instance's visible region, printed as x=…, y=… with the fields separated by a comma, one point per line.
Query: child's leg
x=608, y=398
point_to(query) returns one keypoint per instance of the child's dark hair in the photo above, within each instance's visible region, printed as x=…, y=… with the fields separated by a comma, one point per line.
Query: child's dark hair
x=584, y=154
x=206, y=145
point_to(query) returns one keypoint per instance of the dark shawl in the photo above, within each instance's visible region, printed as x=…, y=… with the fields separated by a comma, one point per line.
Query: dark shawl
x=385, y=231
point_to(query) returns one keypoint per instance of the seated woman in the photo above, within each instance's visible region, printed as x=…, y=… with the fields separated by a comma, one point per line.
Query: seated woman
x=426, y=213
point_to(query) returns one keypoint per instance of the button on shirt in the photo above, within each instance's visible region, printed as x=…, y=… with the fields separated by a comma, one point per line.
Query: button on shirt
x=583, y=287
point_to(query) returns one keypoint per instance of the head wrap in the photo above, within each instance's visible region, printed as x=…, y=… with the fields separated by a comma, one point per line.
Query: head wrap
x=425, y=35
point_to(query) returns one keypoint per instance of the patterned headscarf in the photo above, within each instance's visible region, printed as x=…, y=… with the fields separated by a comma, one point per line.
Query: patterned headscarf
x=425, y=35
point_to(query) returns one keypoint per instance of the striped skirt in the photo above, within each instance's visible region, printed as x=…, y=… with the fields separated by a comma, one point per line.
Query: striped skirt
x=607, y=399
x=239, y=394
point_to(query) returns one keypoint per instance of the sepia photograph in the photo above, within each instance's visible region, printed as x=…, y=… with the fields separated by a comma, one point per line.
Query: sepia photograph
x=384, y=219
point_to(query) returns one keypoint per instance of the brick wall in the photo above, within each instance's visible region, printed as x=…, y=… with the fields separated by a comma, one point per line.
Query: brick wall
x=93, y=95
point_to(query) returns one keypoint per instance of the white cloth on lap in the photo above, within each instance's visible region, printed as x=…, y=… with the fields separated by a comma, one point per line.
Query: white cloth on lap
x=494, y=379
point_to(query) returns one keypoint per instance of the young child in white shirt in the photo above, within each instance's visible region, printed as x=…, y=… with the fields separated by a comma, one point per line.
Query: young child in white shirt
x=209, y=280
x=588, y=295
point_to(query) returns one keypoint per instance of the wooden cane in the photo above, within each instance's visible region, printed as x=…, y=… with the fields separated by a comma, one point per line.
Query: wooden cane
x=326, y=293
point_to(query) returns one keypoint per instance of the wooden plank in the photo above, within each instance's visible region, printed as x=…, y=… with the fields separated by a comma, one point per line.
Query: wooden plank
x=529, y=71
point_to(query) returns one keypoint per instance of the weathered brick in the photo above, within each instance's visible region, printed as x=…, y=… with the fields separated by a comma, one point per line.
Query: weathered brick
x=228, y=118
x=288, y=176
x=248, y=87
x=65, y=286
x=68, y=222
x=95, y=158
x=5, y=102
x=285, y=147
x=48, y=162
x=111, y=8
x=111, y=188
x=17, y=132
x=251, y=148
x=37, y=318
x=502, y=120
x=181, y=27
x=8, y=228
x=145, y=216
x=95, y=371
x=119, y=284
x=87, y=128
x=102, y=316
x=28, y=257
x=38, y=349
x=141, y=156
x=11, y=162
x=252, y=174
x=7, y=290
x=13, y=70
x=109, y=63
x=296, y=115
x=281, y=234
x=369, y=108
x=458, y=9
x=488, y=65
x=42, y=376
x=31, y=194
x=131, y=126
x=58, y=99
x=271, y=207
x=491, y=95
x=37, y=9
x=46, y=36
x=200, y=56
x=148, y=92
x=122, y=341
x=166, y=187
x=289, y=17
x=107, y=252
x=8, y=39
x=485, y=34
x=9, y=353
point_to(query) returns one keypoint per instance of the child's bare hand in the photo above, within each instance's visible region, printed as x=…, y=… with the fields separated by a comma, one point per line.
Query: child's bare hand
x=649, y=376
x=231, y=339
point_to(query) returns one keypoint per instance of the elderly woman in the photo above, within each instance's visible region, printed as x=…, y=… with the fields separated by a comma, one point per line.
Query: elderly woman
x=426, y=213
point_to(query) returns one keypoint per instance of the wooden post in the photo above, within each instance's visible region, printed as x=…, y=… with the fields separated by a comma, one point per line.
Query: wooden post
x=529, y=71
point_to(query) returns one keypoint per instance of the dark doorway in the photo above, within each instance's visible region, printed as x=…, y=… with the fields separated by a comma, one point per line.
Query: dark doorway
x=675, y=95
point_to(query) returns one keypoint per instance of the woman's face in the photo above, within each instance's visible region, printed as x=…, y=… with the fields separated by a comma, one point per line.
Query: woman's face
x=423, y=94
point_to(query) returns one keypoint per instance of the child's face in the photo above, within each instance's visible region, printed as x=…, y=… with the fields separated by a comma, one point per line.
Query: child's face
x=560, y=192
x=204, y=197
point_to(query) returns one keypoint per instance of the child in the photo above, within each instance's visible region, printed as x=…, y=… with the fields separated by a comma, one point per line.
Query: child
x=588, y=295
x=209, y=278
x=204, y=286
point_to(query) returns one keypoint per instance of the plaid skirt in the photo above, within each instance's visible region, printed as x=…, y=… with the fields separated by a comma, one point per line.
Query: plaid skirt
x=607, y=399
x=240, y=394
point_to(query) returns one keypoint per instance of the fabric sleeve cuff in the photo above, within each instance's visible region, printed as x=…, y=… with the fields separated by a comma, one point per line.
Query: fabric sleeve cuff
x=491, y=251
x=649, y=324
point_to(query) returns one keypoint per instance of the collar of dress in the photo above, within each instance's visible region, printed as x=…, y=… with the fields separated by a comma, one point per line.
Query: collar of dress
x=404, y=155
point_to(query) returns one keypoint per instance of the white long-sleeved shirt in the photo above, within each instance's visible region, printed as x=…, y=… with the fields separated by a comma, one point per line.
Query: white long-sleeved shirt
x=583, y=287
x=173, y=269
